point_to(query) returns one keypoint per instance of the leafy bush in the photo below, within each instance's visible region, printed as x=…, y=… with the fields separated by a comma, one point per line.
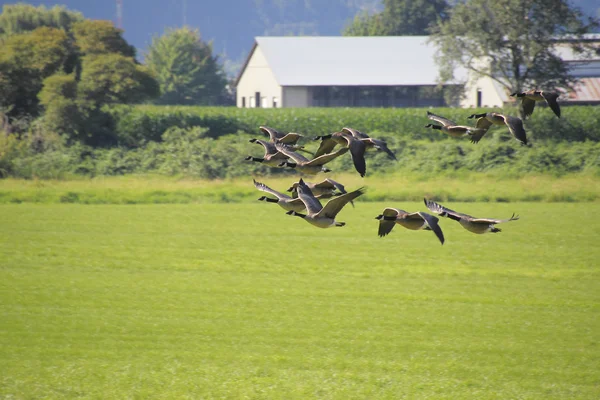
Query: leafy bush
x=139, y=124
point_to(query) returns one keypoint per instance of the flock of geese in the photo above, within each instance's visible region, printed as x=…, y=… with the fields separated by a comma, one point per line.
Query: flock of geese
x=282, y=150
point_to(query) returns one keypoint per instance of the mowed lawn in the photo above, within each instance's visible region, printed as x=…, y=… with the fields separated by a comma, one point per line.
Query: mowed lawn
x=242, y=301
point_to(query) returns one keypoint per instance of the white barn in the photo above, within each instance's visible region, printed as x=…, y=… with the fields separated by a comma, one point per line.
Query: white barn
x=390, y=71
x=322, y=71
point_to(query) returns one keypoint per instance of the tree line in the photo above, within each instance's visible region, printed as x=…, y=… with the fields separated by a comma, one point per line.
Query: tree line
x=61, y=73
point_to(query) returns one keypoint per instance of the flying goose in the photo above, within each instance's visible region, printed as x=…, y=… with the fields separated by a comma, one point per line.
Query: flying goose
x=279, y=137
x=485, y=120
x=325, y=189
x=272, y=157
x=319, y=216
x=453, y=129
x=371, y=143
x=356, y=146
x=414, y=221
x=472, y=224
x=284, y=201
x=531, y=96
x=305, y=165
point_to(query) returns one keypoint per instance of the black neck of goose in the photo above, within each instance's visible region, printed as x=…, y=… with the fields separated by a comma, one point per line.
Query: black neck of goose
x=432, y=126
x=255, y=159
x=300, y=215
x=290, y=164
x=268, y=199
x=478, y=115
x=389, y=218
x=323, y=137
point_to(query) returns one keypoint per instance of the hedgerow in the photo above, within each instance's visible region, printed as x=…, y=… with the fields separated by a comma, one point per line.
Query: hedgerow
x=135, y=125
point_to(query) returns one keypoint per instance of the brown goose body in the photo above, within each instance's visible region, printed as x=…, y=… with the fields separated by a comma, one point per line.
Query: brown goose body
x=530, y=97
x=486, y=120
x=472, y=224
x=413, y=221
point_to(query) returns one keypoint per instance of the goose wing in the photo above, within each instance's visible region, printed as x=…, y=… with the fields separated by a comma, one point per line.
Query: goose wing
x=528, y=106
x=273, y=134
x=264, y=188
x=331, y=184
x=290, y=138
x=357, y=151
x=445, y=212
x=271, y=150
x=432, y=222
x=333, y=207
x=515, y=126
x=298, y=158
x=305, y=195
x=440, y=119
x=325, y=158
x=495, y=221
x=552, y=100
x=325, y=147
x=385, y=226
x=355, y=133
x=382, y=146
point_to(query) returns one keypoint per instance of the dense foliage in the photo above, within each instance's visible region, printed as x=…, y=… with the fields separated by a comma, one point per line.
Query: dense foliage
x=399, y=18
x=512, y=41
x=186, y=69
x=66, y=69
x=213, y=142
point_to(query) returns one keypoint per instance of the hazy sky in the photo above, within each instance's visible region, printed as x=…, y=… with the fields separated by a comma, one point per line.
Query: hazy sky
x=142, y=19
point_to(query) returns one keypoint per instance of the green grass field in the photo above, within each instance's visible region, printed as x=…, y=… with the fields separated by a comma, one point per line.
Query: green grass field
x=239, y=300
x=156, y=189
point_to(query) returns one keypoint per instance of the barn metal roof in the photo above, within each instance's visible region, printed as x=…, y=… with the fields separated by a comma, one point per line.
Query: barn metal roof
x=587, y=90
x=352, y=61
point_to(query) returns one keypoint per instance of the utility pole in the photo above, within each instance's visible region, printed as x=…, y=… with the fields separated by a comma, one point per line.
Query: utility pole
x=120, y=14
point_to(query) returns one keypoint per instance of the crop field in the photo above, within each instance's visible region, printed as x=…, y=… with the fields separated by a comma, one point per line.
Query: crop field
x=239, y=300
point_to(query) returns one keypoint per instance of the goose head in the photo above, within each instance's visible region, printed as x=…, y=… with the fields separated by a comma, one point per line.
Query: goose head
x=477, y=115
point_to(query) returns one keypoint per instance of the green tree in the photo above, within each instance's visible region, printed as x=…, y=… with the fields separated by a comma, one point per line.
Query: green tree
x=25, y=60
x=511, y=41
x=113, y=78
x=21, y=18
x=95, y=37
x=59, y=98
x=399, y=18
x=185, y=68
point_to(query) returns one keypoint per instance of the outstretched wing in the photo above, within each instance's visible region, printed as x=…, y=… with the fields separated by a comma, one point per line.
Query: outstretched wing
x=356, y=133
x=528, y=106
x=552, y=100
x=330, y=183
x=298, y=158
x=443, y=211
x=335, y=205
x=382, y=146
x=432, y=222
x=273, y=134
x=325, y=147
x=264, y=188
x=325, y=158
x=357, y=151
x=515, y=126
x=290, y=138
x=306, y=196
x=386, y=226
x=440, y=119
